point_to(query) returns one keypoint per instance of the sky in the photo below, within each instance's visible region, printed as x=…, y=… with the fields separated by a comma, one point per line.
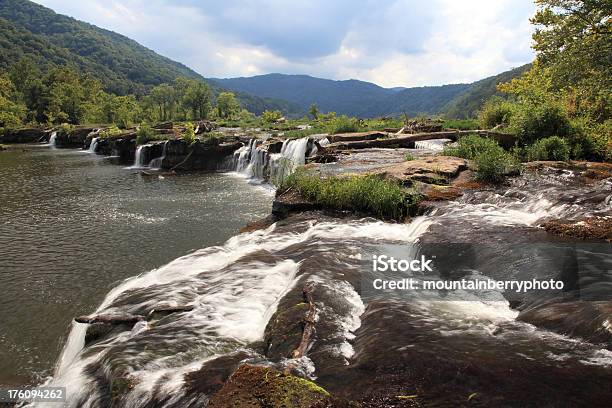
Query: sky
x=388, y=42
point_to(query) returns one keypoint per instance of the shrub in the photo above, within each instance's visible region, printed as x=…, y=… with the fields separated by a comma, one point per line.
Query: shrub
x=271, y=116
x=495, y=111
x=536, y=121
x=492, y=165
x=491, y=160
x=342, y=124
x=470, y=146
x=189, y=135
x=369, y=194
x=408, y=157
x=109, y=132
x=144, y=134
x=550, y=148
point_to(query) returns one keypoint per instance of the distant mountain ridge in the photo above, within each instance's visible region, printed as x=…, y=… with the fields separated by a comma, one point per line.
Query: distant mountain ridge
x=364, y=99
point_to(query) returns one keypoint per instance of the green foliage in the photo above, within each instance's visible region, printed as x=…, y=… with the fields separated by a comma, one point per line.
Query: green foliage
x=197, y=98
x=550, y=148
x=314, y=111
x=110, y=132
x=227, y=105
x=189, y=135
x=271, y=116
x=343, y=124
x=369, y=194
x=408, y=157
x=12, y=113
x=492, y=161
x=144, y=133
x=461, y=124
x=496, y=111
x=533, y=121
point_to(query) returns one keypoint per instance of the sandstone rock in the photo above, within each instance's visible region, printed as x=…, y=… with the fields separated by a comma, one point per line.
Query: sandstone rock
x=29, y=135
x=589, y=228
x=263, y=387
x=347, y=137
x=438, y=170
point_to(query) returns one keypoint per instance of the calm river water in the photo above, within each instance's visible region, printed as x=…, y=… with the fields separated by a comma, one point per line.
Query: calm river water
x=74, y=224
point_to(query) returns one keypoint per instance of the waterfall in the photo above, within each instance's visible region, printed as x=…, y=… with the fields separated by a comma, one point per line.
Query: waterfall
x=435, y=144
x=141, y=156
x=254, y=160
x=156, y=163
x=93, y=145
x=52, y=138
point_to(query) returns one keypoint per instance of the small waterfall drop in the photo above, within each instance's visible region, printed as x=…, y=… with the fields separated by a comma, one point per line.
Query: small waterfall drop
x=254, y=161
x=156, y=163
x=141, y=156
x=435, y=145
x=53, y=138
x=93, y=145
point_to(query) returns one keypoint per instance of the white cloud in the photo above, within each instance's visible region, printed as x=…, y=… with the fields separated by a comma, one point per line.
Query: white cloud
x=391, y=43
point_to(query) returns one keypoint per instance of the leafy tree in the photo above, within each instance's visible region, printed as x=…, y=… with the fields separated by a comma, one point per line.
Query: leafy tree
x=314, y=111
x=197, y=99
x=271, y=116
x=164, y=96
x=572, y=39
x=70, y=95
x=227, y=105
x=11, y=113
x=189, y=135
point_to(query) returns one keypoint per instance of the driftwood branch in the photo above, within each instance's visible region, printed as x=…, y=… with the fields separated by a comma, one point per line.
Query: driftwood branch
x=309, y=324
x=128, y=318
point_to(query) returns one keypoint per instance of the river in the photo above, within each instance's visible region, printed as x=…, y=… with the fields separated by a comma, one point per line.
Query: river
x=75, y=224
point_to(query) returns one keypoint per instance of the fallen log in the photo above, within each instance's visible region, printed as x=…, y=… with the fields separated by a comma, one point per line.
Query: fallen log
x=128, y=318
x=407, y=141
x=110, y=319
x=348, y=137
x=309, y=324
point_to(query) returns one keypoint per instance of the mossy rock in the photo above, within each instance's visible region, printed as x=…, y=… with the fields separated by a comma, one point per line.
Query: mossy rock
x=258, y=387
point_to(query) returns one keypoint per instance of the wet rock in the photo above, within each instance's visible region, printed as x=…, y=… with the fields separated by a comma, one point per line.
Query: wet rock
x=438, y=170
x=208, y=154
x=290, y=201
x=28, y=135
x=587, y=320
x=74, y=138
x=263, y=387
x=598, y=228
x=284, y=331
x=213, y=374
x=349, y=137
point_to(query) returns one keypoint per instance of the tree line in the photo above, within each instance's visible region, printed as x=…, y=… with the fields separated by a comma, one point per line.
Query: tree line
x=63, y=95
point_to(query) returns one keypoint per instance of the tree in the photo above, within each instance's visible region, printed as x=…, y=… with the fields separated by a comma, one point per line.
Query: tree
x=197, y=99
x=271, y=116
x=71, y=96
x=572, y=39
x=12, y=112
x=164, y=96
x=314, y=111
x=227, y=105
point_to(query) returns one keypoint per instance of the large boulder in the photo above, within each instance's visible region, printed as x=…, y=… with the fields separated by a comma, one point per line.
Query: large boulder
x=208, y=154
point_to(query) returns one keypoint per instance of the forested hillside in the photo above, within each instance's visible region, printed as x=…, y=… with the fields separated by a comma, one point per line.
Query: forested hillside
x=122, y=65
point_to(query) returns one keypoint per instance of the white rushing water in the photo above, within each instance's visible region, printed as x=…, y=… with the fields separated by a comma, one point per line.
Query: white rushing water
x=156, y=163
x=254, y=161
x=140, y=159
x=436, y=145
x=52, y=138
x=233, y=300
x=93, y=145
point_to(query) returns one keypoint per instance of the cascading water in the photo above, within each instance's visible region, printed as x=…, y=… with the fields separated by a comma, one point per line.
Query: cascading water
x=93, y=145
x=52, y=138
x=156, y=163
x=140, y=159
x=256, y=162
x=435, y=144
